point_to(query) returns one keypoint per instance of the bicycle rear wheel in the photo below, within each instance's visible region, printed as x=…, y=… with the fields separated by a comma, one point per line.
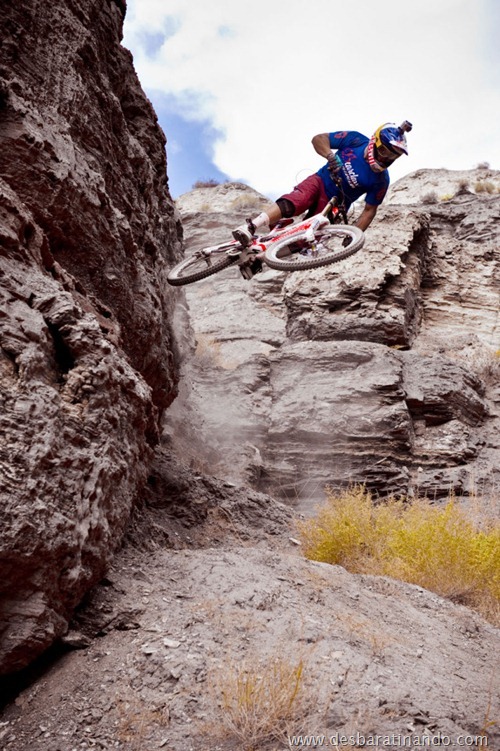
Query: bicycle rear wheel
x=299, y=254
x=202, y=264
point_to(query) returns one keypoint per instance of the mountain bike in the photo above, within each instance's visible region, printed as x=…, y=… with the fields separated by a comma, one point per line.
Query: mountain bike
x=316, y=241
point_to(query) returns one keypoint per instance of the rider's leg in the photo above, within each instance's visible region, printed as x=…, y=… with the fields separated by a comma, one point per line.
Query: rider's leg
x=245, y=232
x=310, y=192
x=310, y=195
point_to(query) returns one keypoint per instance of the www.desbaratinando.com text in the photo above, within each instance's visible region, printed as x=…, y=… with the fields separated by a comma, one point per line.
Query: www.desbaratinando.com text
x=359, y=740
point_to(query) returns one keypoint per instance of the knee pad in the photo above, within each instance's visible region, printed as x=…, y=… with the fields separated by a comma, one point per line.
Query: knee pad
x=286, y=207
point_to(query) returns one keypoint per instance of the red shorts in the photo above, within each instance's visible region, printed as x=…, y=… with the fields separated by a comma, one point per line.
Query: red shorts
x=309, y=194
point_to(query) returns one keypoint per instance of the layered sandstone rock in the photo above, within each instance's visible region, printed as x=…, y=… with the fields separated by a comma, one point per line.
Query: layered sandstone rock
x=382, y=369
x=87, y=230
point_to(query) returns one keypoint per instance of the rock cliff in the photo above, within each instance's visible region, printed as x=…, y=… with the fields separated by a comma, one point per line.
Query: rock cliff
x=87, y=365
x=381, y=370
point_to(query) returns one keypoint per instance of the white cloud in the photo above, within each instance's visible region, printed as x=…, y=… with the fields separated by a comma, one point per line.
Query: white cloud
x=270, y=74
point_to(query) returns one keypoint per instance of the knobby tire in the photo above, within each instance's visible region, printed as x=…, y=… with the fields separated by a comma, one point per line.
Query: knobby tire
x=196, y=267
x=284, y=256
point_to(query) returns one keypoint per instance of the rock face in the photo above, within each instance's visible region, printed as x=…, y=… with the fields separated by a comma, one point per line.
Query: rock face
x=382, y=369
x=87, y=230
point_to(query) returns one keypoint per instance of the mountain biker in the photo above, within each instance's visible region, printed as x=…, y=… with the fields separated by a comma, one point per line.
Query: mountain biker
x=356, y=164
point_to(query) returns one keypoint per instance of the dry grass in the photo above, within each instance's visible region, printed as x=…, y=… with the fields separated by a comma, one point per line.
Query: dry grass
x=440, y=548
x=259, y=702
x=430, y=197
x=137, y=722
x=482, y=360
x=485, y=186
x=367, y=631
x=210, y=183
x=207, y=349
x=209, y=353
x=462, y=185
x=247, y=202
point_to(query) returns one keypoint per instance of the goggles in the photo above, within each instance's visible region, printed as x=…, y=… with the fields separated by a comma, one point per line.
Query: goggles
x=387, y=154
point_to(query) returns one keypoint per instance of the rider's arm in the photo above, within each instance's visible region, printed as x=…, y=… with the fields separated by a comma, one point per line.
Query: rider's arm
x=321, y=144
x=366, y=216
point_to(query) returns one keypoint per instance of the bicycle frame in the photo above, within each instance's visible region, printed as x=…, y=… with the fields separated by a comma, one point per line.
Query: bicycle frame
x=261, y=243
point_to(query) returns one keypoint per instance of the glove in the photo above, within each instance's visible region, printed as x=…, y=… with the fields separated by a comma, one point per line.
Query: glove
x=334, y=163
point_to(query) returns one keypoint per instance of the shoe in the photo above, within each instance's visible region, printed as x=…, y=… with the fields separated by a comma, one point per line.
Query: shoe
x=244, y=234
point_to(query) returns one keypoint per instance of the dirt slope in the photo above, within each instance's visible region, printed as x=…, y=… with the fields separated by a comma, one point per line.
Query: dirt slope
x=164, y=633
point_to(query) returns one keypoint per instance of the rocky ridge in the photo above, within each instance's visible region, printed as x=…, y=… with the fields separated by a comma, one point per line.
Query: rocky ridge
x=87, y=364
x=381, y=369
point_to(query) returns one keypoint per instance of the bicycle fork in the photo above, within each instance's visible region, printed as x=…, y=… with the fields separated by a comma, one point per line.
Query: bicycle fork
x=310, y=235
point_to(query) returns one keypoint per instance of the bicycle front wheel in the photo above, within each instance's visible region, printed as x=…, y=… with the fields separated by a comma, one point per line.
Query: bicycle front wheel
x=299, y=254
x=202, y=264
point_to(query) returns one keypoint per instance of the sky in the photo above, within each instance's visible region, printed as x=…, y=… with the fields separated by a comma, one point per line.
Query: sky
x=240, y=87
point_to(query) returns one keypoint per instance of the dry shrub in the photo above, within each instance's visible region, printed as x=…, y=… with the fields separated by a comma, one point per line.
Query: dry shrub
x=211, y=183
x=137, y=722
x=484, y=186
x=209, y=353
x=246, y=202
x=367, y=631
x=207, y=349
x=260, y=702
x=350, y=531
x=430, y=197
x=482, y=360
x=437, y=547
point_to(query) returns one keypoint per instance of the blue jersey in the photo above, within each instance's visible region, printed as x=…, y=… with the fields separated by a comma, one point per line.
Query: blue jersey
x=357, y=176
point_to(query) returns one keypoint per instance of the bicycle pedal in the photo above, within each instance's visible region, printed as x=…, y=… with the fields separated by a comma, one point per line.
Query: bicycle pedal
x=246, y=272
